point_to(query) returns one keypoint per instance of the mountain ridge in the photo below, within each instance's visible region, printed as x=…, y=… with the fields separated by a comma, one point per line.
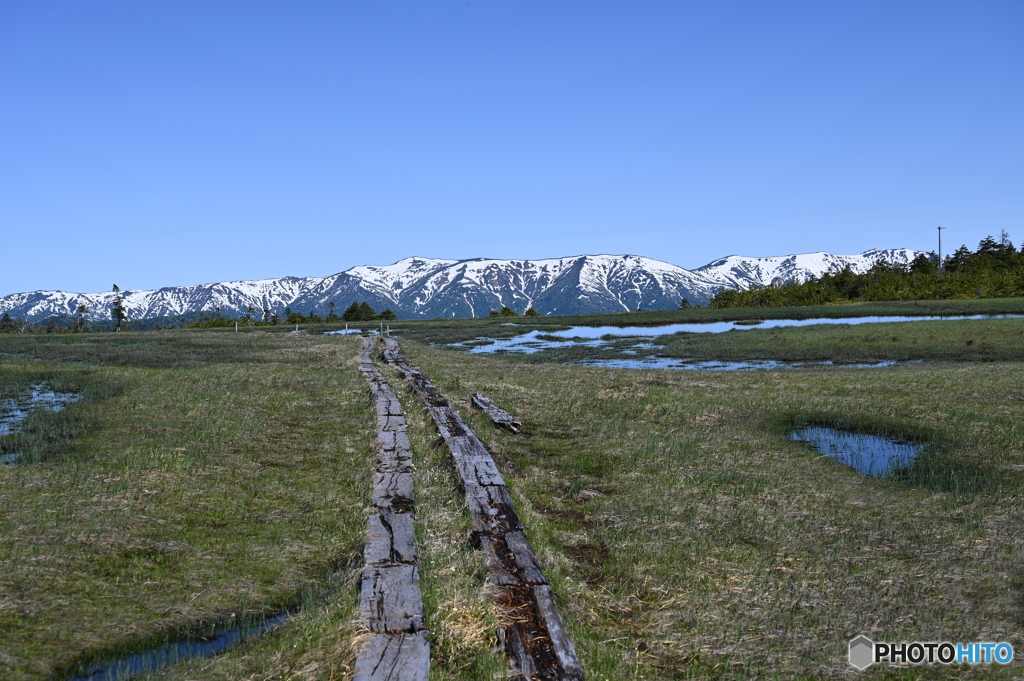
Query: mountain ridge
x=418, y=287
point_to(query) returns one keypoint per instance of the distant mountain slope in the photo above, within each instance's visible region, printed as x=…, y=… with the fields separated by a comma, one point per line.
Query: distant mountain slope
x=427, y=288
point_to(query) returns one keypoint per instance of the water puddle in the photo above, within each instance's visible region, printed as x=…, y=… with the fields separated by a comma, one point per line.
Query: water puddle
x=14, y=411
x=170, y=653
x=719, y=365
x=869, y=455
x=601, y=337
x=594, y=336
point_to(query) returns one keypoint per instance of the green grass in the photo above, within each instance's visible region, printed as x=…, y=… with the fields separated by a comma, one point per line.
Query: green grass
x=224, y=478
x=214, y=473
x=689, y=537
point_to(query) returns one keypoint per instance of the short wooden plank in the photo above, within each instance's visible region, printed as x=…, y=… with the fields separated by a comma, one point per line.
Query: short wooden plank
x=392, y=490
x=393, y=423
x=390, y=599
x=388, y=407
x=499, y=416
x=391, y=440
x=391, y=657
x=389, y=539
x=393, y=461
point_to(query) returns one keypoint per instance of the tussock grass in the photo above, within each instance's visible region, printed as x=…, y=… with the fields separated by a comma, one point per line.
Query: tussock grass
x=690, y=538
x=199, y=493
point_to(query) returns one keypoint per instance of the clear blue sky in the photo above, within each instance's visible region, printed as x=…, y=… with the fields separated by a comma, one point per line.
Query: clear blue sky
x=171, y=143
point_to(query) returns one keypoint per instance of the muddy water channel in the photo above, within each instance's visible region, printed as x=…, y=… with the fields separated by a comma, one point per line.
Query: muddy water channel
x=870, y=455
x=14, y=411
x=604, y=337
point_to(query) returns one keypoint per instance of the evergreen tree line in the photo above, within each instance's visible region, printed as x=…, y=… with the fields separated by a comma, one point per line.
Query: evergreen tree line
x=509, y=312
x=995, y=270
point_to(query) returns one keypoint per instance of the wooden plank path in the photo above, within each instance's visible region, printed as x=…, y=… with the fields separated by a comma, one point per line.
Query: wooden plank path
x=395, y=646
x=530, y=627
x=499, y=416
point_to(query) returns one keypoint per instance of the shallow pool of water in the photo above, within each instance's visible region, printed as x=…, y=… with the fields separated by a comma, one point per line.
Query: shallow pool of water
x=867, y=454
x=170, y=653
x=530, y=342
x=14, y=411
x=717, y=365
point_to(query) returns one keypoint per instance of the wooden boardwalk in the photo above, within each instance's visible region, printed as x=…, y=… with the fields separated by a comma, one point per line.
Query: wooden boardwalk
x=395, y=646
x=530, y=627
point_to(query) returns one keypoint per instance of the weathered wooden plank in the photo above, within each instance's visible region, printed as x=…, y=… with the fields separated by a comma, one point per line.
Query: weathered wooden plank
x=388, y=407
x=390, y=602
x=499, y=416
x=393, y=440
x=393, y=461
x=392, y=491
x=393, y=423
x=390, y=599
x=389, y=539
x=393, y=657
x=529, y=625
x=491, y=509
x=510, y=560
x=478, y=472
x=544, y=597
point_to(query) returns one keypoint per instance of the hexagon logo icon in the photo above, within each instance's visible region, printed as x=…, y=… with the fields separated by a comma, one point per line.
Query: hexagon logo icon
x=862, y=652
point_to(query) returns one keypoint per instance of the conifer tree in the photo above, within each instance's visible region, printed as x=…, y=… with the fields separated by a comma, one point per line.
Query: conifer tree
x=366, y=313
x=80, y=326
x=531, y=312
x=117, y=312
x=352, y=313
x=387, y=315
x=332, y=316
x=8, y=324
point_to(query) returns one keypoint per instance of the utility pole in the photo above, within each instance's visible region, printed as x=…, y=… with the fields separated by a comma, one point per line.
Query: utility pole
x=940, y=247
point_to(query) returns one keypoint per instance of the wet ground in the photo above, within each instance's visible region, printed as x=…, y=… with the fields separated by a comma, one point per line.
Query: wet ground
x=14, y=410
x=598, y=336
x=151, y=660
x=869, y=455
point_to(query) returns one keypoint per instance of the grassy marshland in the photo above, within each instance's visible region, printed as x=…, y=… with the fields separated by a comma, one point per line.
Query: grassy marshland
x=222, y=478
x=690, y=537
x=976, y=340
x=221, y=473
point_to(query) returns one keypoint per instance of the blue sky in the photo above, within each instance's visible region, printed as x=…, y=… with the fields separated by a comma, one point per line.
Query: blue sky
x=171, y=143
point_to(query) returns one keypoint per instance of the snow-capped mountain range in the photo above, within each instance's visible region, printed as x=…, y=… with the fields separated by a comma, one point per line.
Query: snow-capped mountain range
x=428, y=288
